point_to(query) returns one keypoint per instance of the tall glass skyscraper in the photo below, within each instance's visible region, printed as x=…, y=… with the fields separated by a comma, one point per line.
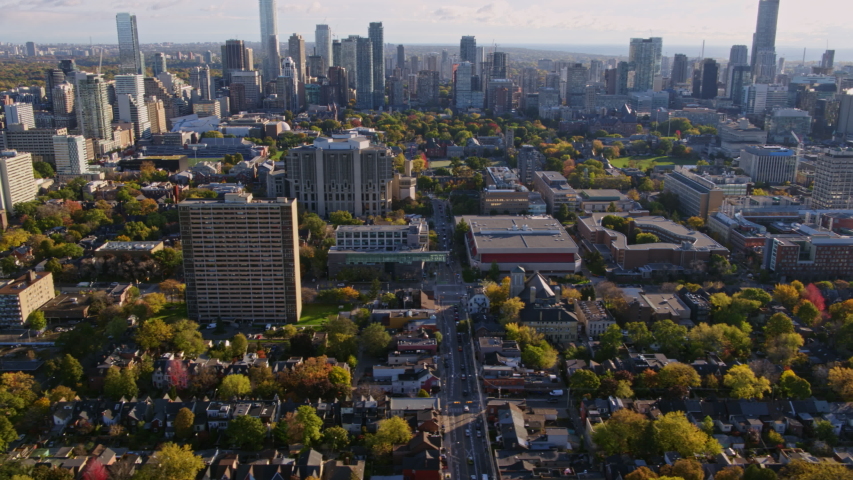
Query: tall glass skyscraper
x=323, y=43
x=269, y=39
x=130, y=57
x=377, y=40
x=468, y=50
x=645, y=54
x=763, y=59
x=364, y=66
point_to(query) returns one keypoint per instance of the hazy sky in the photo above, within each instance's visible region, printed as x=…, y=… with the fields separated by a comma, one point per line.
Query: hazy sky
x=679, y=22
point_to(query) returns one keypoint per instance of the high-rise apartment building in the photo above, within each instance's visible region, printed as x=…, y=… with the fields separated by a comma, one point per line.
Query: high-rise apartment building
x=462, y=90
x=22, y=296
x=344, y=172
x=200, y=80
x=764, y=38
x=156, y=115
x=16, y=179
x=349, y=58
x=645, y=54
x=377, y=40
x=500, y=62
x=63, y=106
x=740, y=77
x=20, y=113
x=296, y=50
x=468, y=50
x=287, y=86
x=53, y=78
x=428, y=87
x=158, y=66
x=241, y=259
x=709, y=72
x=739, y=55
x=844, y=126
x=250, y=83
x=596, y=68
x=94, y=113
x=31, y=49
x=338, y=86
x=680, y=69
x=833, y=180
x=401, y=57
x=769, y=164
x=236, y=57
x=323, y=43
x=364, y=71
x=130, y=56
x=130, y=96
x=529, y=160
x=70, y=154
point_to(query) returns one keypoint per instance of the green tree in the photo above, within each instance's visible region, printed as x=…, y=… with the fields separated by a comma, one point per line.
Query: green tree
x=172, y=462
x=792, y=386
x=644, y=237
x=234, y=386
x=623, y=433
x=685, y=468
x=802, y=470
x=311, y=424
x=375, y=339
x=540, y=357
x=375, y=287
x=7, y=433
x=390, y=432
x=678, y=374
x=184, y=423
x=639, y=335
x=154, y=334
x=239, y=344
x=342, y=217
x=510, y=309
x=423, y=393
x=36, y=320
x=754, y=472
x=807, y=312
x=673, y=432
x=584, y=381
x=787, y=295
x=336, y=438
x=70, y=371
x=120, y=383
x=609, y=343
x=841, y=381
x=744, y=384
x=340, y=376
x=670, y=336
x=246, y=432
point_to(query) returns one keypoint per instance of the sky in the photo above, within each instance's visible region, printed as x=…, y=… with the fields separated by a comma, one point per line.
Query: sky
x=570, y=23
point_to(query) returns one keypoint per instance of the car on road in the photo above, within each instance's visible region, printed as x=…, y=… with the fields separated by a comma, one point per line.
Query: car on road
x=464, y=377
x=342, y=285
x=479, y=434
x=466, y=409
x=470, y=461
x=467, y=432
x=460, y=348
x=211, y=326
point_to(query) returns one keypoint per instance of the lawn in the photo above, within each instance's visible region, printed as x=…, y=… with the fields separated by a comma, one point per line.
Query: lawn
x=647, y=162
x=439, y=163
x=317, y=313
x=193, y=161
x=172, y=312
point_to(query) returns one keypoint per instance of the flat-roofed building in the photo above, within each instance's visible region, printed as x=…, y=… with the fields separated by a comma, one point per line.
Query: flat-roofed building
x=24, y=295
x=241, y=259
x=37, y=141
x=536, y=243
x=130, y=249
x=506, y=201
x=600, y=199
x=809, y=253
x=593, y=316
x=736, y=135
x=697, y=197
x=555, y=191
x=678, y=245
x=769, y=164
x=17, y=184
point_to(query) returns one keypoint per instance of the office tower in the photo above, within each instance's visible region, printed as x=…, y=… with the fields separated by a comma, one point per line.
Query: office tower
x=287, y=86
x=780, y=66
x=529, y=161
x=249, y=83
x=31, y=49
x=349, y=57
x=339, y=86
x=645, y=54
x=827, y=60
x=479, y=58
x=697, y=82
x=269, y=23
x=680, y=70
x=740, y=76
x=468, y=50
x=296, y=50
x=344, y=172
x=364, y=84
x=462, y=87
x=70, y=154
x=769, y=164
x=68, y=66
x=576, y=75
x=200, y=80
x=377, y=40
x=709, y=73
x=20, y=113
x=156, y=114
x=336, y=52
x=833, y=180
x=16, y=179
x=529, y=80
x=130, y=96
x=396, y=92
x=621, y=82
x=235, y=57
x=323, y=43
x=596, y=67
x=428, y=87
x=130, y=57
x=316, y=66
x=764, y=69
x=401, y=57
x=764, y=37
x=208, y=57
x=272, y=58
x=739, y=55
x=52, y=78
x=844, y=125
x=414, y=64
x=159, y=64
x=431, y=61
x=241, y=259
x=63, y=106
x=500, y=60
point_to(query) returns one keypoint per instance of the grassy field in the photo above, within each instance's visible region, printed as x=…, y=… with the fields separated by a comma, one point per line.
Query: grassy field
x=316, y=314
x=172, y=312
x=439, y=163
x=647, y=162
x=193, y=161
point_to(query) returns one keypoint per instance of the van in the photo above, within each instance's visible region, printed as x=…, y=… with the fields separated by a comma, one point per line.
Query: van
x=556, y=393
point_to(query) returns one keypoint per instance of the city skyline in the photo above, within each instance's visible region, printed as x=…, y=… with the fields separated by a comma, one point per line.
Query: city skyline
x=725, y=22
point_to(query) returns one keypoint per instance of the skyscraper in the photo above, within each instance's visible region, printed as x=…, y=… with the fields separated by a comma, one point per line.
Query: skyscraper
x=235, y=57
x=296, y=51
x=130, y=96
x=31, y=49
x=269, y=19
x=377, y=40
x=210, y=230
x=200, y=80
x=462, y=87
x=428, y=87
x=349, y=58
x=364, y=84
x=764, y=38
x=16, y=179
x=680, y=70
x=159, y=64
x=710, y=71
x=833, y=180
x=323, y=43
x=468, y=50
x=740, y=77
x=20, y=113
x=645, y=54
x=272, y=58
x=827, y=60
x=94, y=114
x=62, y=98
x=739, y=55
x=130, y=57
x=500, y=60
x=336, y=52
x=401, y=57
x=70, y=154
x=287, y=86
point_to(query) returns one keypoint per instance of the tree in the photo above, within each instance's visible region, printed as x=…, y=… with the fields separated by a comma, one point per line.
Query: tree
x=36, y=320
x=623, y=433
x=153, y=334
x=342, y=217
x=792, y=386
x=802, y=470
x=234, y=386
x=510, y=309
x=744, y=384
x=673, y=432
x=584, y=381
x=540, y=357
x=390, y=432
x=670, y=336
x=155, y=301
x=841, y=381
x=754, y=472
x=120, y=383
x=609, y=342
x=239, y=344
x=783, y=349
x=808, y=312
x=523, y=334
x=177, y=376
x=375, y=339
x=70, y=371
x=94, y=470
x=311, y=424
x=340, y=376
x=184, y=423
x=825, y=432
x=787, y=295
x=695, y=223
x=778, y=324
x=685, y=468
x=246, y=432
x=644, y=237
x=642, y=473
x=678, y=374
x=336, y=438
x=639, y=335
x=375, y=288
x=173, y=462
x=7, y=433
